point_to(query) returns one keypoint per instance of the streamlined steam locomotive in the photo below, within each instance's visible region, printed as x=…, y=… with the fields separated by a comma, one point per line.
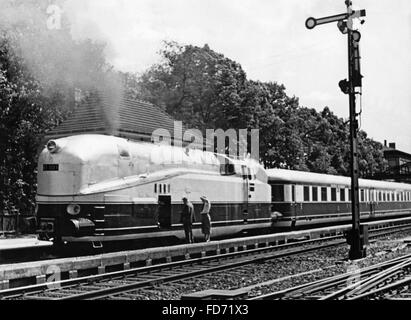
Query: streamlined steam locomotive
x=98, y=188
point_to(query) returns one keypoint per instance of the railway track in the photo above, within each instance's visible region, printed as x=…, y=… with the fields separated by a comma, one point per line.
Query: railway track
x=130, y=283
x=367, y=283
x=114, y=283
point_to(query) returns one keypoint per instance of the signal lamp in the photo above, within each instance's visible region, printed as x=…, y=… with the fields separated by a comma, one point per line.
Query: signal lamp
x=344, y=86
x=342, y=25
x=310, y=23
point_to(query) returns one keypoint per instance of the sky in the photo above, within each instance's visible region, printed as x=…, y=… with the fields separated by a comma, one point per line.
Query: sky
x=269, y=39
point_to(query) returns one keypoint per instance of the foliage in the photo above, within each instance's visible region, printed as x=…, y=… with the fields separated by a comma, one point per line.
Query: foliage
x=39, y=72
x=204, y=89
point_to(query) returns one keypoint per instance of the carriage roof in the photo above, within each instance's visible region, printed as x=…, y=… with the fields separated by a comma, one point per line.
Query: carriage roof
x=302, y=177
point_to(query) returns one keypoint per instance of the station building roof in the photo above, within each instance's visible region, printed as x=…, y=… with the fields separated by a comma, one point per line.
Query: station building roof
x=99, y=114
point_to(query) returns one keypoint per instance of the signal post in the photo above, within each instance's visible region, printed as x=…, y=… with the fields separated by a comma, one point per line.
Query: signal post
x=358, y=235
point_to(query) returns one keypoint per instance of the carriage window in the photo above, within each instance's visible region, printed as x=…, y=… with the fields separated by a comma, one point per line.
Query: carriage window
x=277, y=192
x=315, y=193
x=398, y=196
x=383, y=196
x=342, y=194
x=362, y=195
x=379, y=196
x=333, y=194
x=323, y=194
x=349, y=194
x=306, y=193
x=292, y=193
x=160, y=185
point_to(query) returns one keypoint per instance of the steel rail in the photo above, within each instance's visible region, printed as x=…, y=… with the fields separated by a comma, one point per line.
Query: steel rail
x=106, y=292
x=326, y=283
x=158, y=267
x=336, y=281
x=371, y=282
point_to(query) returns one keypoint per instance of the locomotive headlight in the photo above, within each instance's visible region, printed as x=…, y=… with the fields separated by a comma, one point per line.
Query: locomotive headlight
x=52, y=146
x=73, y=209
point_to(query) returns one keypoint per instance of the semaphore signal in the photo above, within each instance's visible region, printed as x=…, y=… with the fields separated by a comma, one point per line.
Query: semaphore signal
x=358, y=235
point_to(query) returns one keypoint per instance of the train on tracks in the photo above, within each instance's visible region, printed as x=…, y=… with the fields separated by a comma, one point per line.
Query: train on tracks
x=98, y=188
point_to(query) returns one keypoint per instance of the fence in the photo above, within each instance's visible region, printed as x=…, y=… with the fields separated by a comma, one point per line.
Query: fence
x=12, y=223
x=9, y=223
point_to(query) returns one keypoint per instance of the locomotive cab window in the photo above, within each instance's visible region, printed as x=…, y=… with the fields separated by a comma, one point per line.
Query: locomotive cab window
x=123, y=151
x=250, y=176
x=227, y=169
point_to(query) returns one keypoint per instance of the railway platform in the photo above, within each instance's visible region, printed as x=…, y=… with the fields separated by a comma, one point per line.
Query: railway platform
x=11, y=243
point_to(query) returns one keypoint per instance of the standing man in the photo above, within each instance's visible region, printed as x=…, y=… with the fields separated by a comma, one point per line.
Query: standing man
x=205, y=218
x=187, y=219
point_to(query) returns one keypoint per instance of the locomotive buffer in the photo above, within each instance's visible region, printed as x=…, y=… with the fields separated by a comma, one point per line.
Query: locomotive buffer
x=358, y=235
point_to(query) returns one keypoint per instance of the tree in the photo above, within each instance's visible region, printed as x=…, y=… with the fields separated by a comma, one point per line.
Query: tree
x=204, y=89
x=39, y=71
x=196, y=85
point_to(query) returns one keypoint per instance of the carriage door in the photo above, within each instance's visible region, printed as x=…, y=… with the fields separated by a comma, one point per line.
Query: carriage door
x=373, y=198
x=245, y=192
x=297, y=202
x=164, y=211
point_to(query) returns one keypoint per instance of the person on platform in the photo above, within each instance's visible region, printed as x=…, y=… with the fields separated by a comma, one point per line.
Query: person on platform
x=187, y=219
x=205, y=218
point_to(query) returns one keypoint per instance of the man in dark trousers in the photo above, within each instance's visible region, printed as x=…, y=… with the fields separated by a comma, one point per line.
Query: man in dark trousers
x=187, y=219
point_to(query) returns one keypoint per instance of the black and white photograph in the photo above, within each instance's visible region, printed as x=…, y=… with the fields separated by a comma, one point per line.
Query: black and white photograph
x=205, y=158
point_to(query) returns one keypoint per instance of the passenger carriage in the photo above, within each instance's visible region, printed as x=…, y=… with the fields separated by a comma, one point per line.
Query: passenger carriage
x=310, y=198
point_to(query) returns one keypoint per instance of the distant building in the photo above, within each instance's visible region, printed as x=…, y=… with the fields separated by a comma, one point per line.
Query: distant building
x=399, y=164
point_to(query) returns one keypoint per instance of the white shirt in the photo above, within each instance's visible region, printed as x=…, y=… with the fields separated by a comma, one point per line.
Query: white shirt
x=206, y=207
